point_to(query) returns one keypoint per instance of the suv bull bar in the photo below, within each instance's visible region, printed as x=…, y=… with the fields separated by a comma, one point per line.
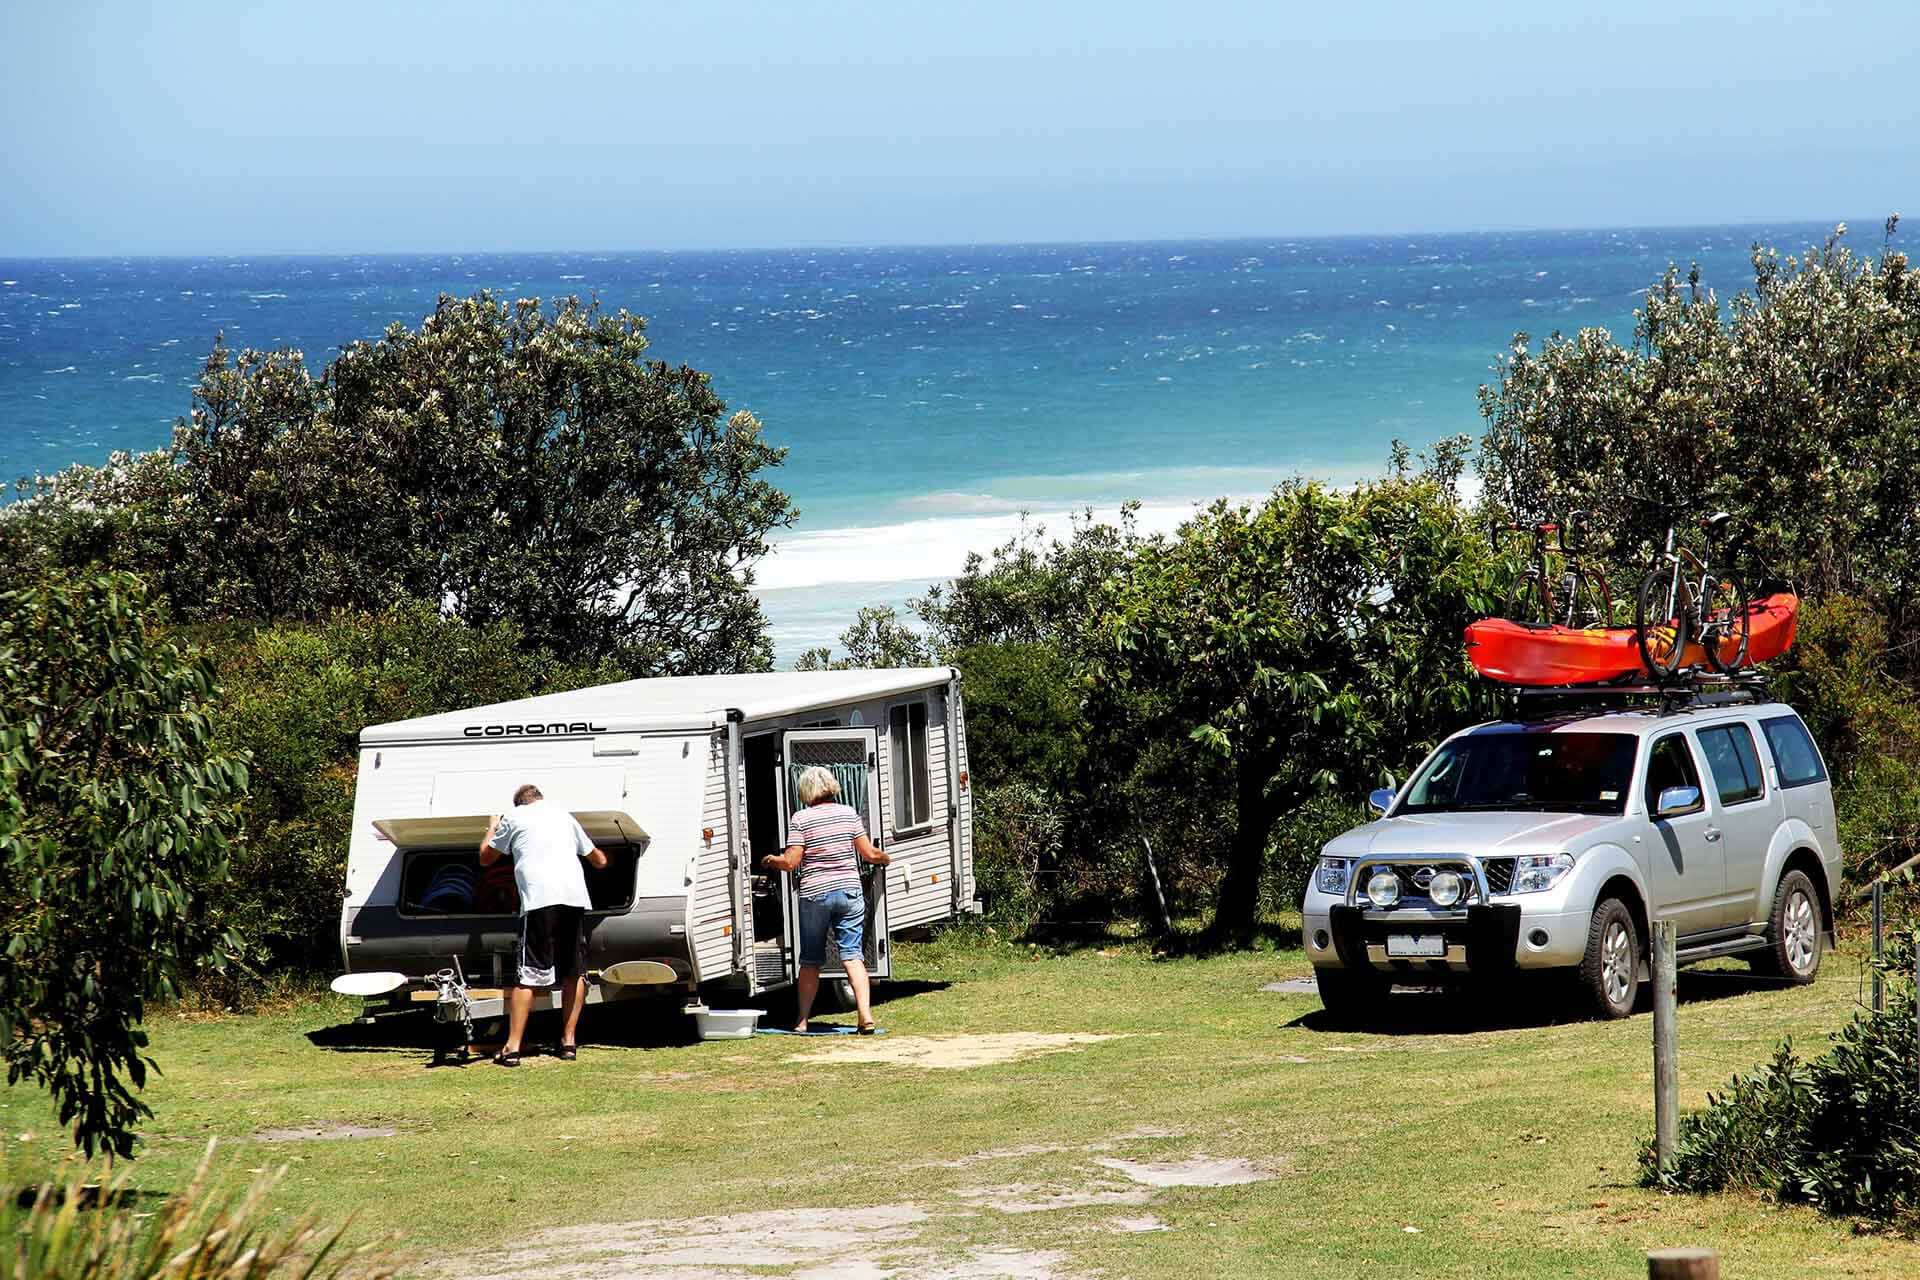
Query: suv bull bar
x=1481, y=935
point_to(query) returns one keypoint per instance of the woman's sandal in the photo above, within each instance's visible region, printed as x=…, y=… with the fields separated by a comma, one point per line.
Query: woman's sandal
x=568, y=1052
x=867, y=1028
x=506, y=1059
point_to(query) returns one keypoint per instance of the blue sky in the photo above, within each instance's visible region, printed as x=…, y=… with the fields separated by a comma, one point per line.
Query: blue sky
x=349, y=126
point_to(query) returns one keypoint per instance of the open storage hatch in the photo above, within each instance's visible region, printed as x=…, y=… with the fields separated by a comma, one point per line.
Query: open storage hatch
x=441, y=875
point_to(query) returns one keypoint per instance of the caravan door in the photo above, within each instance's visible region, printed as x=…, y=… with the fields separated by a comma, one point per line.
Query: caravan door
x=851, y=755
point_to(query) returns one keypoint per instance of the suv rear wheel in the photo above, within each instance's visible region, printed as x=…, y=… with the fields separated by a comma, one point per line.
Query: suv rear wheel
x=1350, y=997
x=1793, y=931
x=1610, y=971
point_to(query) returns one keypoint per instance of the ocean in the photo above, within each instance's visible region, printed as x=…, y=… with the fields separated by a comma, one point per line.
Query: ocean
x=932, y=399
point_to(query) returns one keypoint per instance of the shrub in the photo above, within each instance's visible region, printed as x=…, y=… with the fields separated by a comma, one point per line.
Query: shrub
x=1840, y=1132
x=82, y=1229
x=1023, y=713
x=118, y=810
x=1296, y=844
x=1016, y=852
x=1868, y=725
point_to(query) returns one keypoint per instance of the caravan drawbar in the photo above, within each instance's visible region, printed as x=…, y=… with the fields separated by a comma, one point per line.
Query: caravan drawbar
x=685, y=782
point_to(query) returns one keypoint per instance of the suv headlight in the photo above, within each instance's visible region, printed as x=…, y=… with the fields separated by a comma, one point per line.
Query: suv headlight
x=1537, y=872
x=1331, y=875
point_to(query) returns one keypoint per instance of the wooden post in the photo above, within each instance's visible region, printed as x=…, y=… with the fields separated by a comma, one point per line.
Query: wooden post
x=1666, y=1057
x=1683, y=1264
x=1879, y=946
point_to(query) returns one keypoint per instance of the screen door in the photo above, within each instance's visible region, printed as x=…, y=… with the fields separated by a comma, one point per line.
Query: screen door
x=850, y=755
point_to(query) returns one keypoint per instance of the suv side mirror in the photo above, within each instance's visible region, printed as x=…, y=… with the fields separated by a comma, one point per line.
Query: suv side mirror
x=1675, y=801
x=1382, y=800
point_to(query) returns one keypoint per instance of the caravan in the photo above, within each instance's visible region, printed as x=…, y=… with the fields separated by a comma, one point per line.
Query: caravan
x=686, y=783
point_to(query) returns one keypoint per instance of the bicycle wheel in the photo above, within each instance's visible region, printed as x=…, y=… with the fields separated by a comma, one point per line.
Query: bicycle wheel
x=1726, y=627
x=1586, y=602
x=1660, y=622
x=1531, y=604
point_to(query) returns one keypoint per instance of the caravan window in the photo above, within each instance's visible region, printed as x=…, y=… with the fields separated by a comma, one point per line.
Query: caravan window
x=907, y=764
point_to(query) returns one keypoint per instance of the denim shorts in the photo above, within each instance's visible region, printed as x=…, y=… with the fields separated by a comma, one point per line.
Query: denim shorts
x=842, y=910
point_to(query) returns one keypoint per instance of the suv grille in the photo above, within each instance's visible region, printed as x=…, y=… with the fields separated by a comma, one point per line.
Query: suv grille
x=1410, y=888
x=1499, y=873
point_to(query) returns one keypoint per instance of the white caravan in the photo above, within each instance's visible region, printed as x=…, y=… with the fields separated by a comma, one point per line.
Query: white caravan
x=686, y=783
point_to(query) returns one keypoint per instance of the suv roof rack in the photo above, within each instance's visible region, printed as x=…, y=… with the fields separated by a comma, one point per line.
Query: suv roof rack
x=1693, y=690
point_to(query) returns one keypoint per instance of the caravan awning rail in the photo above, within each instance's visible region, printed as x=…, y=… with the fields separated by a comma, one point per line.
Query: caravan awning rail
x=483, y=727
x=660, y=705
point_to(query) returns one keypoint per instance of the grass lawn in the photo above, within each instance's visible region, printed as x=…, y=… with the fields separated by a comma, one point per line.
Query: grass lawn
x=1461, y=1140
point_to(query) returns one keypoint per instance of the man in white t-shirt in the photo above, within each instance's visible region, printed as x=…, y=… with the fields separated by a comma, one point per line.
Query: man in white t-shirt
x=547, y=845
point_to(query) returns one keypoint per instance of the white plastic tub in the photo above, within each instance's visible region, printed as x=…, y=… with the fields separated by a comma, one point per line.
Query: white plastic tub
x=726, y=1024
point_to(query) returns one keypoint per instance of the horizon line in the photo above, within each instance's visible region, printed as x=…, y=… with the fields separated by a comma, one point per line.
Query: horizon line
x=866, y=246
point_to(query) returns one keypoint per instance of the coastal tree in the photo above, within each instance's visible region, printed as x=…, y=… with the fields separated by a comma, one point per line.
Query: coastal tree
x=878, y=638
x=510, y=462
x=119, y=515
x=1796, y=406
x=1301, y=648
x=117, y=817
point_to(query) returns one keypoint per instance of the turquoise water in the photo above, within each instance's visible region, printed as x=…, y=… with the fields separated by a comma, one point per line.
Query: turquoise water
x=928, y=395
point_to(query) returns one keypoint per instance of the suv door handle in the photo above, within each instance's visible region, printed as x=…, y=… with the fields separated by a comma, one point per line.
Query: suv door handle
x=1712, y=834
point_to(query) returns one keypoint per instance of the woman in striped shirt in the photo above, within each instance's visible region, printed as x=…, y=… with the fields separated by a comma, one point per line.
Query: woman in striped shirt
x=826, y=843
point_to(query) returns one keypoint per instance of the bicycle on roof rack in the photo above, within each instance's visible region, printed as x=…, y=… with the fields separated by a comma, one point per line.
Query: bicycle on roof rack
x=1683, y=601
x=1583, y=600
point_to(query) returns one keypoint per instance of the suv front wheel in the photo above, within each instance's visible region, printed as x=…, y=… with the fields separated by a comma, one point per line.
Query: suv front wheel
x=1610, y=970
x=1793, y=931
x=1350, y=997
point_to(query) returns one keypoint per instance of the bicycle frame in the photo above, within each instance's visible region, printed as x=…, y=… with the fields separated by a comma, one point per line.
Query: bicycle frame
x=1688, y=594
x=1574, y=569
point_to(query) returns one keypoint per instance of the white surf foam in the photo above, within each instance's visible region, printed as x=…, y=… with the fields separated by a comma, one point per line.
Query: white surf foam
x=919, y=550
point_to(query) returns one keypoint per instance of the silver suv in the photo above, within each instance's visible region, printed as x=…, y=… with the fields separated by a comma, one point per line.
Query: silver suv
x=1551, y=844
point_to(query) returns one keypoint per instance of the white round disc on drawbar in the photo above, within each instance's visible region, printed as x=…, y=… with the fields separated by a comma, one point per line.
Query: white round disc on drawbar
x=369, y=984
x=638, y=973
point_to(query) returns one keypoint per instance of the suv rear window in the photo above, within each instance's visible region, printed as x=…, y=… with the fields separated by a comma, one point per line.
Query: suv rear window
x=1793, y=751
x=1734, y=763
x=1570, y=772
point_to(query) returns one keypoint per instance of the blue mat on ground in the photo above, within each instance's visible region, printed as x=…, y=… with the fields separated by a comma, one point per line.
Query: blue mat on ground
x=813, y=1031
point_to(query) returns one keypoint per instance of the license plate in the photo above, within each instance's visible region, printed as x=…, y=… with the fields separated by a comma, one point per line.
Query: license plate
x=1416, y=945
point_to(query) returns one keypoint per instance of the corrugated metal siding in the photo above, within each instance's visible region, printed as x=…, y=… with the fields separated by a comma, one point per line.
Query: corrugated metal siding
x=969, y=891
x=711, y=907
x=920, y=878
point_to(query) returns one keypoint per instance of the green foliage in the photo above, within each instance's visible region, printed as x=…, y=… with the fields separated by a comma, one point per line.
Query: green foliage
x=1016, y=851
x=85, y=1229
x=529, y=467
x=295, y=697
x=118, y=812
x=523, y=465
x=1033, y=590
x=1295, y=847
x=1868, y=726
x=1796, y=407
x=1841, y=1132
x=1023, y=714
x=1303, y=647
x=118, y=516
x=878, y=639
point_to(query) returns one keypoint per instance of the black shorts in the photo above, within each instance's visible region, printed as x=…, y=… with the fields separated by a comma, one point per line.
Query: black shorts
x=553, y=946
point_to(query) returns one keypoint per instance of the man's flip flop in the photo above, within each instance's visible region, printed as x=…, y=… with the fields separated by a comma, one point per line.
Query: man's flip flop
x=867, y=1029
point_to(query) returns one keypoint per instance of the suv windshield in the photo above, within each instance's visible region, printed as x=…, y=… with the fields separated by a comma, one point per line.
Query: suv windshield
x=1576, y=772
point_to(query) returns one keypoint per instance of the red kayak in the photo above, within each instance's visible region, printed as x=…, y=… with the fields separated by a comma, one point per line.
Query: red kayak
x=1515, y=654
